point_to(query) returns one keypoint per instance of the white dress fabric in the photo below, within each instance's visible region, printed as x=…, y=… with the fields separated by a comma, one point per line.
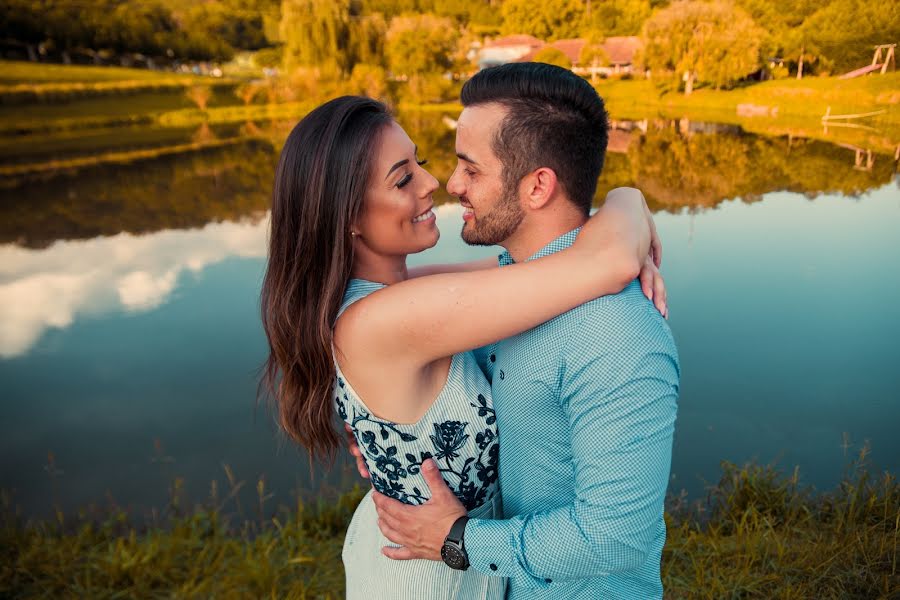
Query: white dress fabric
x=459, y=432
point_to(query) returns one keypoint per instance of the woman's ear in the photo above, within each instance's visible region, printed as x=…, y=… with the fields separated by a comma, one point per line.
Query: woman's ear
x=539, y=187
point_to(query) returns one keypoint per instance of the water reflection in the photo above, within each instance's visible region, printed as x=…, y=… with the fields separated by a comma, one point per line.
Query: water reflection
x=51, y=287
x=129, y=299
x=172, y=191
x=676, y=163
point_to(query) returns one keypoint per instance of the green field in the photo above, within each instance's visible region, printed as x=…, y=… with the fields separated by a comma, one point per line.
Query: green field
x=796, y=101
x=20, y=72
x=759, y=535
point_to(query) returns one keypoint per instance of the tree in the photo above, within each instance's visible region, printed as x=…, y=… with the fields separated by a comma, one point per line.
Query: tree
x=368, y=80
x=547, y=20
x=845, y=31
x=786, y=39
x=315, y=34
x=618, y=17
x=421, y=44
x=593, y=55
x=21, y=20
x=367, y=34
x=715, y=43
x=553, y=56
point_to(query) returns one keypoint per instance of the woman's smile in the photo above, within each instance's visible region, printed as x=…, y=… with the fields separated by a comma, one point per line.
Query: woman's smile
x=427, y=216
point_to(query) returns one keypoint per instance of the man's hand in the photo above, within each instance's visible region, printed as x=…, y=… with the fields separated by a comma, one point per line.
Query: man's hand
x=356, y=452
x=420, y=530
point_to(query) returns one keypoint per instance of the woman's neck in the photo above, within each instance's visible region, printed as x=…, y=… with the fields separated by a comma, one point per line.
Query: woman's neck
x=380, y=269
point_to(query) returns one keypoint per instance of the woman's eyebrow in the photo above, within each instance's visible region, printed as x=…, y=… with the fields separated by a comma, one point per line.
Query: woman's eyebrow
x=396, y=166
x=400, y=163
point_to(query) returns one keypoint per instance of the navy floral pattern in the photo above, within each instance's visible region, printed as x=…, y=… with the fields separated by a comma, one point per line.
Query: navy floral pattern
x=394, y=455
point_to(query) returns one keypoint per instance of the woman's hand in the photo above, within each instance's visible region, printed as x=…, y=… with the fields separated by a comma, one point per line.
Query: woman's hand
x=654, y=287
x=623, y=222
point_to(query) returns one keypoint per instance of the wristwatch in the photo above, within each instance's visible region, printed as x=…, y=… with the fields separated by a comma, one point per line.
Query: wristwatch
x=454, y=550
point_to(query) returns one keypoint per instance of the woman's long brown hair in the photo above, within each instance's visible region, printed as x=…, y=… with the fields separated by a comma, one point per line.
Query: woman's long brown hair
x=320, y=185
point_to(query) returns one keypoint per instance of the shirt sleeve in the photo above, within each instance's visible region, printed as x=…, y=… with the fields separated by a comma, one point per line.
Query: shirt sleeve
x=619, y=378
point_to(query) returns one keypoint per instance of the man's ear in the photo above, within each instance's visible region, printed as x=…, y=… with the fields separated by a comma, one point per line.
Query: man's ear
x=539, y=187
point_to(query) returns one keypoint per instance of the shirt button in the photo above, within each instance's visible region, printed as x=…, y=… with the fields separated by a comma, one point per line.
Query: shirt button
x=549, y=580
x=502, y=375
x=493, y=567
x=493, y=359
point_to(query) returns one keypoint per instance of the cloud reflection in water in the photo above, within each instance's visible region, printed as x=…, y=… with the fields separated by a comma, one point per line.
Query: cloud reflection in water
x=51, y=287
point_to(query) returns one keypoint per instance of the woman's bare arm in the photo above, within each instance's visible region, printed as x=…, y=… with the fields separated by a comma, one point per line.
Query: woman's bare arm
x=427, y=318
x=463, y=267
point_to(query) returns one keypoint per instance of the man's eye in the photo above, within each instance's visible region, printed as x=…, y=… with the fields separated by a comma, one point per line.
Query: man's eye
x=403, y=182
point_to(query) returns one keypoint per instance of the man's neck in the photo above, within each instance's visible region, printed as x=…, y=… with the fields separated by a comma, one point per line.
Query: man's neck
x=536, y=231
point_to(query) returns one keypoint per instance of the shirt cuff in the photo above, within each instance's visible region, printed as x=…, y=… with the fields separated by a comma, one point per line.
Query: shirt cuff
x=492, y=548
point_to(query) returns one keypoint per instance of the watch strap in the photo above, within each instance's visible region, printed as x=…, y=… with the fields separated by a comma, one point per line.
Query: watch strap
x=457, y=530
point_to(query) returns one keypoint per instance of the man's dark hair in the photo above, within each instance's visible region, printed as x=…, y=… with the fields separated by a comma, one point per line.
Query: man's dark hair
x=555, y=120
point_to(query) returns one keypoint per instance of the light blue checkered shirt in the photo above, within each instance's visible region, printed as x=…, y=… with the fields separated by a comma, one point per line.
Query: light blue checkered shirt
x=586, y=408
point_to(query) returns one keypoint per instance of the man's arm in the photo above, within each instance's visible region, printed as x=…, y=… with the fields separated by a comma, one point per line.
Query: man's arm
x=619, y=385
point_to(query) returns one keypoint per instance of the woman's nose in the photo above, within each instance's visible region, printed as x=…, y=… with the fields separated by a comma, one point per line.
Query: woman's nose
x=431, y=183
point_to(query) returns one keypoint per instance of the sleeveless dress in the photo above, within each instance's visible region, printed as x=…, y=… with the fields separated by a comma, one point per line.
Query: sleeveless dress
x=459, y=431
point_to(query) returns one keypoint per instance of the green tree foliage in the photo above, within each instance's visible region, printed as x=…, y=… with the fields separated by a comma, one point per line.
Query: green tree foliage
x=366, y=43
x=786, y=39
x=420, y=50
x=207, y=30
x=547, y=20
x=593, y=54
x=715, y=43
x=421, y=44
x=331, y=37
x=316, y=34
x=618, y=17
x=553, y=56
x=368, y=80
x=846, y=31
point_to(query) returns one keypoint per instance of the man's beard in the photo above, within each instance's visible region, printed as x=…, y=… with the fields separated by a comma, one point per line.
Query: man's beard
x=499, y=224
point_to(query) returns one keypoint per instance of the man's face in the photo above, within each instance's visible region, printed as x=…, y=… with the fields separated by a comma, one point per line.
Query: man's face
x=492, y=212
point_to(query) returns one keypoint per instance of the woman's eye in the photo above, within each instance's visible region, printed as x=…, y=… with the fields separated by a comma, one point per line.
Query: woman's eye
x=403, y=182
x=422, y=162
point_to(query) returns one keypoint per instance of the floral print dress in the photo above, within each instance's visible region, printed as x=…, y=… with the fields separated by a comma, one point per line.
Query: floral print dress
x=459, y=432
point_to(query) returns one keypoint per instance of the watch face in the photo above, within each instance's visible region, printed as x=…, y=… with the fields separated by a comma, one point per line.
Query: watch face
x=453, y=556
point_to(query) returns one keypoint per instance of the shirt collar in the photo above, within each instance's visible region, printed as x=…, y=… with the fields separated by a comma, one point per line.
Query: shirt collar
x=560, y=243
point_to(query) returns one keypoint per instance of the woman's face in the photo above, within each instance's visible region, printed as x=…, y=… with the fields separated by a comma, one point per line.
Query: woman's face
x=397, y=217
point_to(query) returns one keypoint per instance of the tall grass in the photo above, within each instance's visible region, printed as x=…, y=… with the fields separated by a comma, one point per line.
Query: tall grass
x=761, y=535
x=758, y=534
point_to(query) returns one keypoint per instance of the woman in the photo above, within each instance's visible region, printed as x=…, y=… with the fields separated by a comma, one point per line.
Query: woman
x=350, y=330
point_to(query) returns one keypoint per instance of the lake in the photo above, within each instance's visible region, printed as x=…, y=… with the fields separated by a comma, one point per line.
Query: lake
x=130, y=340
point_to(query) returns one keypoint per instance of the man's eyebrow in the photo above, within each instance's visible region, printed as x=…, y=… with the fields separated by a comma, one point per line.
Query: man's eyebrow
x=465, y=157
x=400, y=163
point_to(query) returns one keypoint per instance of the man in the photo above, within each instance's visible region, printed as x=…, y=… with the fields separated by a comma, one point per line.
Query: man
x=586, y=402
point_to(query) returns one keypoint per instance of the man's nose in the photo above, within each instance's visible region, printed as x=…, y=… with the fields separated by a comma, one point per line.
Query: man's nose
x=454, y=184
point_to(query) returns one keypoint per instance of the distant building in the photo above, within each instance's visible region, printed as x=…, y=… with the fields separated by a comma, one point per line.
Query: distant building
x=510, y=48
x=621, y=51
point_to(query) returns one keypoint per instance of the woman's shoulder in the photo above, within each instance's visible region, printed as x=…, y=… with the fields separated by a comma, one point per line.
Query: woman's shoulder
x=357, y=289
